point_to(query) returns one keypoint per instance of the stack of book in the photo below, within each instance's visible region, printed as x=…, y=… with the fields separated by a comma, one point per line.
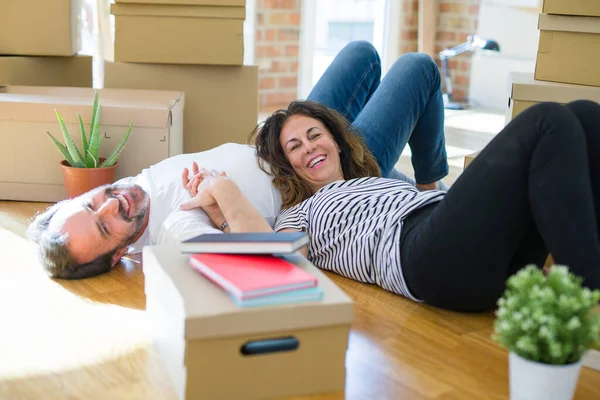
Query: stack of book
x=251, y=267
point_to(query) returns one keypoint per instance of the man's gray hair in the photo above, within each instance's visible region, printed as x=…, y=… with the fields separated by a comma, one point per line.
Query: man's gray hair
x=53, y=253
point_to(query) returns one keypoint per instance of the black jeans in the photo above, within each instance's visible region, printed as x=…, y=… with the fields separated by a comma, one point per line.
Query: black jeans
x=534, y=188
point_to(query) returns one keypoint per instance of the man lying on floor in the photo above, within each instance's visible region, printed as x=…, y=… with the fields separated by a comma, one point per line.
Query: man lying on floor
x=108, y=222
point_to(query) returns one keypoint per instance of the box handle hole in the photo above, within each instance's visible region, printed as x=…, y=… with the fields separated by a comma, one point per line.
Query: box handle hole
x=265, y=346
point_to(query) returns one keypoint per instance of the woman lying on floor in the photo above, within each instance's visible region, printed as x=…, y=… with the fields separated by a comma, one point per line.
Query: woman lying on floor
x=535, y=188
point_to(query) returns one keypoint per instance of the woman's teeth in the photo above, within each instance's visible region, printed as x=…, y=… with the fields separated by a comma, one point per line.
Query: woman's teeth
x=316, y=161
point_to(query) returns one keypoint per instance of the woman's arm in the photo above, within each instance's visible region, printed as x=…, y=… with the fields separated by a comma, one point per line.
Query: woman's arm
x=239, y=212
x=218, y=191
x=304, y=249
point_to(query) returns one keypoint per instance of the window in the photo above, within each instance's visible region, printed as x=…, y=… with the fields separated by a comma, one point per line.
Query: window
x=343, y=32
x=328, y=25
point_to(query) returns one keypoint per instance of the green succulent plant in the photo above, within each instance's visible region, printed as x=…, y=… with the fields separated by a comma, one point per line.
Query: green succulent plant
x=549, y=318
x=88, y=156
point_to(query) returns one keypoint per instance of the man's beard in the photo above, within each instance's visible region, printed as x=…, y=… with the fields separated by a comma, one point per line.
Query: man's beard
x=137, y=200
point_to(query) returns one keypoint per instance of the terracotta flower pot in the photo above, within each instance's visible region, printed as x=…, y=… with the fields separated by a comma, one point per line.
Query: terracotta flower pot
x=81, y=180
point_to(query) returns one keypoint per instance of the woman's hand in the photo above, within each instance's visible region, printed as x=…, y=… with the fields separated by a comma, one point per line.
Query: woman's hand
x=198, y=175
x=223, y=201
x=204, y=197
x=200, y=186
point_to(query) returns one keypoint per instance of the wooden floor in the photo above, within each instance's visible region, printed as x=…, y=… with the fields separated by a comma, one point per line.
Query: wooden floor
x=89, y=339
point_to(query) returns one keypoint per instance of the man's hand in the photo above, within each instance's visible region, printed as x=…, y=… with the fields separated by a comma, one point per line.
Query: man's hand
x=223, y=201
x=200, y=187
x=198, y=175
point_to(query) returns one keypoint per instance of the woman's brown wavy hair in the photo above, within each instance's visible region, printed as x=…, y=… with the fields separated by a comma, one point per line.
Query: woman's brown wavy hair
x=357, y=161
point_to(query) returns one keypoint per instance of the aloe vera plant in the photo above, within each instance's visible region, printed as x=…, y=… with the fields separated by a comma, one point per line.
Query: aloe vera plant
x=88, y=156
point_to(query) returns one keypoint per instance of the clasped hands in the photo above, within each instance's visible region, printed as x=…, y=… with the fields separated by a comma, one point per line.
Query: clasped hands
x=200, y=186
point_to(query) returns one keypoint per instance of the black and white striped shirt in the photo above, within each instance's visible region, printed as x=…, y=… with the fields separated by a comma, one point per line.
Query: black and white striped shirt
x=354, y=228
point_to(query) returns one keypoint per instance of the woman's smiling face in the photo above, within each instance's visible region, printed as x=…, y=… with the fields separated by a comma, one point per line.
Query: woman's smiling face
x=311, y=150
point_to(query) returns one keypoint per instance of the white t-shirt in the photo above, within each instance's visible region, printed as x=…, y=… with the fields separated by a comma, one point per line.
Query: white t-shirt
x=168, y=224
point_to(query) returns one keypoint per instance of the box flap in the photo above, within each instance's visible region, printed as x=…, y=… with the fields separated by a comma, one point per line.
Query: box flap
x=240, y=3
x=572, y=7
x=148, y=108
x=523, y=87
x=210, y=312
x=164, y=10
x=565, y=23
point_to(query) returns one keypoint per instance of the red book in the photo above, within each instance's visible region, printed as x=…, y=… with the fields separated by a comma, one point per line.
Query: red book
x=250, y=276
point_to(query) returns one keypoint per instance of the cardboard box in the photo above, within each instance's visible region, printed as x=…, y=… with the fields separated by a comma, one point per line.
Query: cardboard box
x=179, y=34
x=40, y=27
x=46, y=71
x=469, y=158
x=569, y=49
x=525, y=91
x=200, y=332
x=238, y=3
x=221, y=102
x=590, y=8
x=591, y=359
x=29, y=166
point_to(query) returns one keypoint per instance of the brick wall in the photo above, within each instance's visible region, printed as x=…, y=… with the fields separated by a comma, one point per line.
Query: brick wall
x=409, y=28
x=456, y=19
x=278, y=39
x=277, y=47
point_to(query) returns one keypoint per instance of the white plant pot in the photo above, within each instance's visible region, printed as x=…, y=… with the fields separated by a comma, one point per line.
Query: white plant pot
x=530, y=380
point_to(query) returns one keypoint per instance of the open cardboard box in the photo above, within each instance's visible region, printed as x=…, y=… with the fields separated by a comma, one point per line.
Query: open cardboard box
x=29, y=166
x=200, y=334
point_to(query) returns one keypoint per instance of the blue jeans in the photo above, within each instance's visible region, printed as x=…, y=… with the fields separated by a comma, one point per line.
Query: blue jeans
x=405, y=107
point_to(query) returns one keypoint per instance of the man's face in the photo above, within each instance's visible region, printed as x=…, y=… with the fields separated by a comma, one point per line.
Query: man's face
x=105, y=219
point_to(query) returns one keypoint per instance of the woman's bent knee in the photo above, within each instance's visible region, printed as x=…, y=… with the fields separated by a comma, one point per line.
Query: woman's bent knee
x=549, y=112
x=419, y=65
x=362, y=49
x=422, y=59
x=551, y=119
x=584, y=107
